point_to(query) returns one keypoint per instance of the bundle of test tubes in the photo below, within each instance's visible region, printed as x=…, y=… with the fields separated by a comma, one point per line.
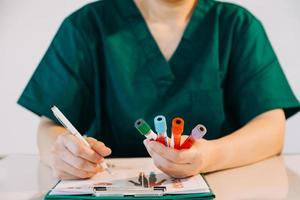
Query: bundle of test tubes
x=176, y=131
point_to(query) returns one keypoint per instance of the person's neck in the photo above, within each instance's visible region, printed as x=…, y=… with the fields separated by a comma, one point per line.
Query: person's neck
x=170, y=11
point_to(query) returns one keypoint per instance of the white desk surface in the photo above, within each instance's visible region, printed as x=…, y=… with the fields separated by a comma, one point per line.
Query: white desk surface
x=24, y=177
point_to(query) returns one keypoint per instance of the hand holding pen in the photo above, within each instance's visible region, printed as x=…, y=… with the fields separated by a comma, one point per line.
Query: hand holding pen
x=74, y=157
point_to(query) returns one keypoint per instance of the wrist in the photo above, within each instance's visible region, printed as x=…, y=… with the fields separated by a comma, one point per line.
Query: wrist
x=46, y=158
x=212, y=158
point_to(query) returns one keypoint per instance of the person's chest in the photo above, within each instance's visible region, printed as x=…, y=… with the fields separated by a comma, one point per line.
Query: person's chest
x=167, y=36
x=140, y=83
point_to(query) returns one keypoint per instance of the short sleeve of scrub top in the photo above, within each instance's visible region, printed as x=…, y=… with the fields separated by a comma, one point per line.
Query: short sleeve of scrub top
x=104, y=70
x=256, y=82
x=62, y=79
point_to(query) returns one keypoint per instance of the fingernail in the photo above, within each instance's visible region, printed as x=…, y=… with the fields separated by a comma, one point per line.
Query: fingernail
x=108, y=150
x=145, y=142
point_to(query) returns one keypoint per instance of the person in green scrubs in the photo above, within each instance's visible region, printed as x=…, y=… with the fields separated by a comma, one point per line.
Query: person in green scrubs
x=114, y=61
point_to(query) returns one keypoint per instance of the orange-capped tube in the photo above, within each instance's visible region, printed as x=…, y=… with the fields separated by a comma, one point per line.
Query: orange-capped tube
x=177, y=130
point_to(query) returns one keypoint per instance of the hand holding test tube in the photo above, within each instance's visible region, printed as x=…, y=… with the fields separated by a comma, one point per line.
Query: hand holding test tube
x=168, y=158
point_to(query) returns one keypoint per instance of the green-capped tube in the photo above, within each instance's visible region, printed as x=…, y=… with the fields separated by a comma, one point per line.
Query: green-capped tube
x=145, y=129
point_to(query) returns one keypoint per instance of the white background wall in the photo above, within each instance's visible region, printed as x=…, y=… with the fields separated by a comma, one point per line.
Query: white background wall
x=27, y=27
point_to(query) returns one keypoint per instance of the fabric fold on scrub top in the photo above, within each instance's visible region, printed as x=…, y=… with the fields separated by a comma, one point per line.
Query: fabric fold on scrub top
x=104, y=70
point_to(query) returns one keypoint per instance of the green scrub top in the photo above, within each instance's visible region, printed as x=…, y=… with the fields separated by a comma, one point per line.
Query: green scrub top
x=104, y=70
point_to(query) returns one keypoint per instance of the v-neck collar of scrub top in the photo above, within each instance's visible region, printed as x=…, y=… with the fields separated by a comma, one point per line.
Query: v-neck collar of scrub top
x=162, y=71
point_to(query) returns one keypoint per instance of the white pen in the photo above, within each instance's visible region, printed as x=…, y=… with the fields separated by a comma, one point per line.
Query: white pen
x=67, y=124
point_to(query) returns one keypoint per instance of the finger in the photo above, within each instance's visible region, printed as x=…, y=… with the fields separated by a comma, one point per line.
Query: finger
x=172, y=169
x=146, y=141
x=78, y=162
x=79, y=149
x=62, y=166
x=173, y=155
x=98, y=146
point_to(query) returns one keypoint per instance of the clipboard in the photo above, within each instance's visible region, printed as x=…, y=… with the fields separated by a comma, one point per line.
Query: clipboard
x=128, y=182
x=157, y=194
x=201, y=196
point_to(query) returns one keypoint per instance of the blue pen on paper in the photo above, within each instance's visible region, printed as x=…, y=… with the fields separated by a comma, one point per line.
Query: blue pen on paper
x=161, y=128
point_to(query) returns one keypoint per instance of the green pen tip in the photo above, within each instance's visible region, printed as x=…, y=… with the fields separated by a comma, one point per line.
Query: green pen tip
x=142, y=126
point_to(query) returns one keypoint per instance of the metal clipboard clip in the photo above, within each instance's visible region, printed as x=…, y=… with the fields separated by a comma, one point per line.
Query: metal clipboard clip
x=129, y=191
